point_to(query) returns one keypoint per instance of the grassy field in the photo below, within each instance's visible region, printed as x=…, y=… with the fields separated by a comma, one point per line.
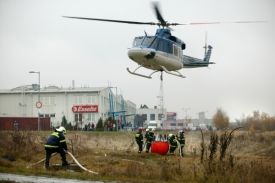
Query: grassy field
x=248, y=157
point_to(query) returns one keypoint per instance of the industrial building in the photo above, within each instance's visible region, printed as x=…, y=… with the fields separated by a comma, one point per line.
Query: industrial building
x=144, y=114
x=80, y=105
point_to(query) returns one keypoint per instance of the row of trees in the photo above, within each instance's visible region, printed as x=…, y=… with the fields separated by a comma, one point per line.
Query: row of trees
x=99, y=126
x=257, y=121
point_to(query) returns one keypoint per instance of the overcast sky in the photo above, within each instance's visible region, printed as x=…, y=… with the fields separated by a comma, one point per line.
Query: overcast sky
x=35, y=37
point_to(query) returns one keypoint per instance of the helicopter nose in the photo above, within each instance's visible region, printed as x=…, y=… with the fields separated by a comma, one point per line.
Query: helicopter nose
x=141, y=54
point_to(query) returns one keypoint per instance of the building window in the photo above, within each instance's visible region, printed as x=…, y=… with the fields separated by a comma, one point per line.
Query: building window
x=173, y=124
x=144, y=117
x=91, y=117
x=91, y=100
x=78, y=99
x=47, y=115
x=47, y=100
x=170, y=117
x=159, y=116
x=152, y=117
x=77, y=117
x=180, y=124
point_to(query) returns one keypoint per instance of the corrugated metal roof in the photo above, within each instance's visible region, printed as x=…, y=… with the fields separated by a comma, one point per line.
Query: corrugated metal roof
x=52, y=89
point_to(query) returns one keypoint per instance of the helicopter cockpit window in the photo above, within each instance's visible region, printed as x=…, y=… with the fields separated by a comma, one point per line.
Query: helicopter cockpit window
x=137, y=41
x=150, y=41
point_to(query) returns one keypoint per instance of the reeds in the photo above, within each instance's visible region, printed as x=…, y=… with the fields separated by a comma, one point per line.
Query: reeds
x=226, y=158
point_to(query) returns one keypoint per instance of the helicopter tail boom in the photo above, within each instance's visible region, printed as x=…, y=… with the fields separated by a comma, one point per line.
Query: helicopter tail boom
x=191, y=62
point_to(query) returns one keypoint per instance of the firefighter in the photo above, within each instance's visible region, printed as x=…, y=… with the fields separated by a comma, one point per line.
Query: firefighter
x=56, y=143
x=173, y=143
x=181, y=140
x=139, y=139
x=149, y=139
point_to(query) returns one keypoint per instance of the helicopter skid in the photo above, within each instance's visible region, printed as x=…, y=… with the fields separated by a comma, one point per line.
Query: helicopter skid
x=169, y=72
x=134, y=73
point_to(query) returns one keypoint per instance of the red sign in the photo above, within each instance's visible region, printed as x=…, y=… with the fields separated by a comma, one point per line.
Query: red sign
x=38, y=105
x=85, y=108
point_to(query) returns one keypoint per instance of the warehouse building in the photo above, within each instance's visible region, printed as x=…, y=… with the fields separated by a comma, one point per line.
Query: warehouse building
x=80, y=105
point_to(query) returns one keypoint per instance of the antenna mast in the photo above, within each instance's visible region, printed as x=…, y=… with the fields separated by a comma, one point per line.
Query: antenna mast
x=205, y=47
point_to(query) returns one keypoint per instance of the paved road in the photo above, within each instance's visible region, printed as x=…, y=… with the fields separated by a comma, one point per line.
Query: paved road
x=35, y=179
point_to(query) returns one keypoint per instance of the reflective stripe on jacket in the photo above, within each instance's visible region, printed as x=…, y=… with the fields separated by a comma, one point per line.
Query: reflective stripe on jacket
x=57, y=139
x=139, y=137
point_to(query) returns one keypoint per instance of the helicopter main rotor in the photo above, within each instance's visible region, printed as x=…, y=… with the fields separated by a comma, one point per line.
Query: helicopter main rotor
x=161, y=23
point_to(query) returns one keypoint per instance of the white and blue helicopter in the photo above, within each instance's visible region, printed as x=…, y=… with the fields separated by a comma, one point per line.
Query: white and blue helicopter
x=163, y=51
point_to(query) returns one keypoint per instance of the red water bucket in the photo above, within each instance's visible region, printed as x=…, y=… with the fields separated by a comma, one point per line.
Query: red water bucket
x=160, y=148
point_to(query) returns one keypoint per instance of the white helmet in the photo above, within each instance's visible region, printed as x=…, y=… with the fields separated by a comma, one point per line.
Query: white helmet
x=180, y=131
x=153, y=129
x=61, y=129
x=147, y=130
x=170, y=135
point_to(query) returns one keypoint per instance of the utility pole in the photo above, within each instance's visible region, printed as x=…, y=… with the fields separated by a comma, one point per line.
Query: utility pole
x=186, y=114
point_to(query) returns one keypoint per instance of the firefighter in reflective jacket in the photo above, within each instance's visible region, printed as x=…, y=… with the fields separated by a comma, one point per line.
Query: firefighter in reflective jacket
x=181, y=140
x=139, y=140
x=173, y=143
x=56, y=143
x=150, y=135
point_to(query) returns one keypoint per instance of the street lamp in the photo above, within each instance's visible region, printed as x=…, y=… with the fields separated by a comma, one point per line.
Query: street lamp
x=186, y=113
x=38, y=97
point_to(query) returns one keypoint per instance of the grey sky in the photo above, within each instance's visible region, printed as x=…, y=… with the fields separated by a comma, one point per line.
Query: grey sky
x=34, y=36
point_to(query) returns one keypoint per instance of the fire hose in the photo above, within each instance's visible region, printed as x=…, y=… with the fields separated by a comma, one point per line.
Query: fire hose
x=74, y=161
x=180, y=148
x=43, y=159
x=80, y=164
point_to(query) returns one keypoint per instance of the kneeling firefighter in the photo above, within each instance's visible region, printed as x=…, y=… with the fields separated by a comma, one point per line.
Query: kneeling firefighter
x=173, y=143
x=56, y=143
x=139, y=140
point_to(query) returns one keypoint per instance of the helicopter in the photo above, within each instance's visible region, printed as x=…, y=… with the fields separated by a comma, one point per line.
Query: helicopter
x=163, y=51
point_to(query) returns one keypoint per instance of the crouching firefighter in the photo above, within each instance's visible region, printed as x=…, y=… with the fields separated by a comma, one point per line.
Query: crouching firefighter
x=139, y=140
x=173, y=143
x=56, y=143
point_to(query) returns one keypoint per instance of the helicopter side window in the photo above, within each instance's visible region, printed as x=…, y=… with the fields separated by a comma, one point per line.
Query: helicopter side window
x=137, y=41
x=170, y=48
x=176, y=51
x=180, y=52
x=154, y=44
x=161, y=45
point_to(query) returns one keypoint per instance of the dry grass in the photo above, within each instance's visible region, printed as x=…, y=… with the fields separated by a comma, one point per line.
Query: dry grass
x=249, y=158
